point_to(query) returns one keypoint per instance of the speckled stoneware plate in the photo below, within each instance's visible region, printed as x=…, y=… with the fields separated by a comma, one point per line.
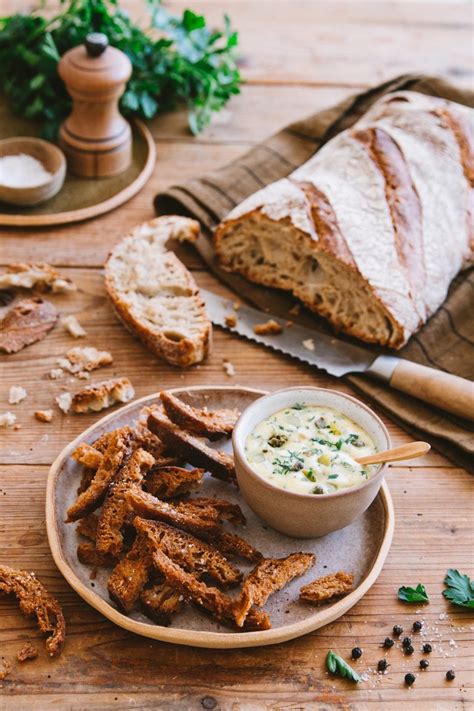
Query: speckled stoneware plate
x=360, y=548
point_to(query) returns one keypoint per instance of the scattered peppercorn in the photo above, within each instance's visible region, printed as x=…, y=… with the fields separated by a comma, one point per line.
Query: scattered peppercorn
x=417, y=625
x=450, y=675
x=406, y=642
x=356, y=653
x=410, y=679
x=424, y=663
x=427, y=648
x=397, y=630
x=409, y=650
x=388, y=642
x=382, y=665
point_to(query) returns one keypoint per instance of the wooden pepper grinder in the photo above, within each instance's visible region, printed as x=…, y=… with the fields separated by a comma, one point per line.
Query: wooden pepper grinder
x=95, y=137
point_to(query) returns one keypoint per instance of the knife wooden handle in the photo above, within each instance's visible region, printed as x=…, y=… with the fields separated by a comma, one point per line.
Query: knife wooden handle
x=443, y=390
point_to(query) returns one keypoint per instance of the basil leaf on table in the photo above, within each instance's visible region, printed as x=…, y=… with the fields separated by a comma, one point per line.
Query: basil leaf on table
x=408, y=594
x=337, y=665
x=459, y=589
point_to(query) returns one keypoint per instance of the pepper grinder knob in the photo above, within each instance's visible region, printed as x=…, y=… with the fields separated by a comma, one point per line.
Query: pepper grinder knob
x=96, y=43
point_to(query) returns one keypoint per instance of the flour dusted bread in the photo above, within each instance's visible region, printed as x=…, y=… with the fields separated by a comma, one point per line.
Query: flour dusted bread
x=370, y=232
x=154, y=294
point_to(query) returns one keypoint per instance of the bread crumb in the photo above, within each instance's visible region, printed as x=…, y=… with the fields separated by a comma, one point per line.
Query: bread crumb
x=36, y=275
x=16, y=395
x=231, y=321
x=289, y=324
x=236, y=305
x=228, y=368
x=64, y=402
x=7, y=419
x=309, y=344
x=7, y=667
x=16, y=426
x=56, y=374
x=44, y=415
x=83, y=359
x=295, y=310
x=27, y=652
x=270, y=328
x=73, y=327
x=100, y=396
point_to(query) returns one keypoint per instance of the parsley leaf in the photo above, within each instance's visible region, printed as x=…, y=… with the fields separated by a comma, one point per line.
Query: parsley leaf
x=459, y=589
x=337, y=665
x=418, y=594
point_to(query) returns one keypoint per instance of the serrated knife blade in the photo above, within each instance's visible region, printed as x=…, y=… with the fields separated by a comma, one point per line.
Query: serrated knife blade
x=331, y=354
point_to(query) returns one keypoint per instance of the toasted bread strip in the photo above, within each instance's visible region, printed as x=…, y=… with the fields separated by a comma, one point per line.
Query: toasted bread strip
x=86, y=480
x=130, y=575
x=327, y=587
x=196, y=451
x=148, y=506
x=269, y=576
x=209, y=598
x=34, y=599
x=168, y=482
x=117, y=450
x=116, y=508
x=88, y=554
x=87, y=455
x=225, y=510
x=87, y=526
x=190, y=553
x=235, y=545
x=160, y=601
x=199, y=421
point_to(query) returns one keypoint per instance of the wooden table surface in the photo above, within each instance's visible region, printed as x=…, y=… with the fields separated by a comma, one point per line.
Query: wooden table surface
x=298, y=57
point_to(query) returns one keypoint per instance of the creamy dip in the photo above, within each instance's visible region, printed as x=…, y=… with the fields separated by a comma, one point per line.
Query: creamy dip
x=309, y=449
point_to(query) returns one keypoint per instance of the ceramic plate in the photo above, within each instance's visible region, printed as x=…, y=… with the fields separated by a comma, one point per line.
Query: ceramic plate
x=360, y=548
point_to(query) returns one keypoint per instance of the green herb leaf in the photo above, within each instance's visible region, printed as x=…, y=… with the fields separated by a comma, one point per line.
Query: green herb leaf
x=459, y=588
x=337, y=665
x=418, y=594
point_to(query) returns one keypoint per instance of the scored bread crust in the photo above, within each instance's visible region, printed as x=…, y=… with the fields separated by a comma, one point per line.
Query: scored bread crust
x=370, y=232
x=145, y=281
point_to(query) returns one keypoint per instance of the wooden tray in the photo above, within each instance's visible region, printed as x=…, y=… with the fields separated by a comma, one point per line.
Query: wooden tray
x=80, y=198
x=360, y=548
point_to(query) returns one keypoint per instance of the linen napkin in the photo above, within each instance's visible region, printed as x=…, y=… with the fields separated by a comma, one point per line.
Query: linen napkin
x=446, y=342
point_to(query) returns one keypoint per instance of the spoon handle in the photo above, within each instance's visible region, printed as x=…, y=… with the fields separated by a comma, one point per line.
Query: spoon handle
x=405, y=451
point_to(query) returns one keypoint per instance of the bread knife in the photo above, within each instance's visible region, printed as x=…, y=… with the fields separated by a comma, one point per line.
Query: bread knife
x=337, y=357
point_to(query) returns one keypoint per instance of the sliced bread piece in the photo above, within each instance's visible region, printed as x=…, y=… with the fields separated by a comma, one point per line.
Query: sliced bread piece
x=154, y=294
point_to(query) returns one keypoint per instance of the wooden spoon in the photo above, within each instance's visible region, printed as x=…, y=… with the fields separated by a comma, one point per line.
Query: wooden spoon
x=405, y=451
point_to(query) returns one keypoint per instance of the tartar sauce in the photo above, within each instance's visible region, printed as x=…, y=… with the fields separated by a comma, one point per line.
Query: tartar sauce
x=309, y=449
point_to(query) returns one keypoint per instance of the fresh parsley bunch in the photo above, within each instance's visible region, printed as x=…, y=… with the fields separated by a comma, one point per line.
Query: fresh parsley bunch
x=175, y=60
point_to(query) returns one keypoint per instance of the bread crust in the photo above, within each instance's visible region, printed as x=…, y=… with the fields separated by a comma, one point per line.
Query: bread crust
x=199, y=421
x=170, y=482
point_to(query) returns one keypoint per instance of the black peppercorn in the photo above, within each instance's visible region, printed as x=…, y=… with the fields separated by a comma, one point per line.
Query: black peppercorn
x=424, y=663
x=450, y=675
x=388, y=642
x=409, y=650
x=397, y=630
x=406, y=642
x=417, y=626
x=410, y=679
x=382, y=665
x=356, y=653
x=427, y=648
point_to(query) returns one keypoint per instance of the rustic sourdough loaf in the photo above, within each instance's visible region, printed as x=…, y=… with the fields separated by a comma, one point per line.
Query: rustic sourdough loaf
x=154, y=294
x=370, y=232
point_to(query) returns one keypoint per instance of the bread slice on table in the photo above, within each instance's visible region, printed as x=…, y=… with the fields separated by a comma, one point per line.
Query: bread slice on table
x=154, y=294
x=369, y=232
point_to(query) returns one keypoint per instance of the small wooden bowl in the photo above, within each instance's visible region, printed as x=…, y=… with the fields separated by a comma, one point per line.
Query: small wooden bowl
x=53, y=161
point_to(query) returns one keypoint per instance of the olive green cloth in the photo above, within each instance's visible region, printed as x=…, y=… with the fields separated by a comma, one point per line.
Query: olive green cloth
x=445, y=342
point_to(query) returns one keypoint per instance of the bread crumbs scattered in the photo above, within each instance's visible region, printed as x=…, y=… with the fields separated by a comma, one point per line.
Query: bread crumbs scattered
x=16, y=426
x=270, y=328
x=7, y=667
x=44, y=415
x=231, y=321
x=294, y=311
x=16, y=395
x=81, y=360
x=27, y=652
x=309, y=344
x=228, y=368
x=56, y=374
x=236, y=305
x=73, y=327
x=64, y=402
x=7, y=419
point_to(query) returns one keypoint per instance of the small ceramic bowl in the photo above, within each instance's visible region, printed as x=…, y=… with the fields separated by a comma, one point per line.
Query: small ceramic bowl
x=306, y=515
x=53, y=161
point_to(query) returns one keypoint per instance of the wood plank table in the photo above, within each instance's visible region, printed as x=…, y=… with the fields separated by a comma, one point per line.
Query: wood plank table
x=298, y=57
